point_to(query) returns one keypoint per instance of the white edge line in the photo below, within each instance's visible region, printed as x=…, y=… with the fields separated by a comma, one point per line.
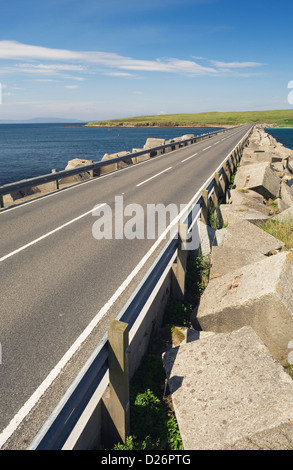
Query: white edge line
x=152, y=177
x=31, y=402
x=48, y=234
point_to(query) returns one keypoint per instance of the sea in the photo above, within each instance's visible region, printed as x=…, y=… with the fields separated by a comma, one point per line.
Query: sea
x=29, y=150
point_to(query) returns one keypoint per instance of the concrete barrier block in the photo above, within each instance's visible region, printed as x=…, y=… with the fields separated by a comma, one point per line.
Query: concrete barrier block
x=140, y=158
x=115, y=166
x=244, y=243
x=286, y=215
x=154, y=142
x=258, y=177
x=286, y=194
x=246, y=197
x=229, y=393
x=259, y=295
x=209, y=238
x=76, y=162
x=232, y=213
x=257, y=156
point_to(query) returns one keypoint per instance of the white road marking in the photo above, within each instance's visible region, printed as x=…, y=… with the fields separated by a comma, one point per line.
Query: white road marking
x=152, y=177
x=191, y=156
x=206, y=148
x=31, y=402
x=48, y=234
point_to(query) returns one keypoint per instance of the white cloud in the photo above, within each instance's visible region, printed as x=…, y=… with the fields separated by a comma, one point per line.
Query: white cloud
x=71, y=87
x=119, y=74
x=13, y=50
x=107, y=63
x=235, y=65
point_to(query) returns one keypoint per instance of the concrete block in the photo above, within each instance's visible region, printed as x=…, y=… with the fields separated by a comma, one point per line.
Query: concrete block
x=140, y=158
x=153, y=142
x=209, y=237
x=231, y=213
x=247, y=197
x=115, y=166
x=244, y=243
x=259, y=295
x=251, y=156
x=286, y=194
x=286, y=215
x=229, y=393
x=258, y=177
x=76, y=162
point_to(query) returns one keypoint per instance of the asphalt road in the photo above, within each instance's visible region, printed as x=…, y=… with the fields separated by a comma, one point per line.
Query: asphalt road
x=60, y=286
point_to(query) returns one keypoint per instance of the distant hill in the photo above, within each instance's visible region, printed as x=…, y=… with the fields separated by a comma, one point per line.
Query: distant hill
x=42, y=120
x=278, y=118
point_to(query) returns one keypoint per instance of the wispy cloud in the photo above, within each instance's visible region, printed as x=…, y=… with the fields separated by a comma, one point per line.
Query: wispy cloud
x=12, y=50
x=235, y=65
x=107, y=63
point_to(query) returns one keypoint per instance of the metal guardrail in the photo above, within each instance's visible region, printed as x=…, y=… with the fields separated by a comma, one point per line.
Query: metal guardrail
x=59, y=426
x=58, y=175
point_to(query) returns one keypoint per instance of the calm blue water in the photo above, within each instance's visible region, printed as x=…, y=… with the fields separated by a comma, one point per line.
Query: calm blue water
x=28, y=150
x=284, y=136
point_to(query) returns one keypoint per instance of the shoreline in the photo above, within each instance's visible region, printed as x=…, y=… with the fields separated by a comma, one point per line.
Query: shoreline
x=142, y=126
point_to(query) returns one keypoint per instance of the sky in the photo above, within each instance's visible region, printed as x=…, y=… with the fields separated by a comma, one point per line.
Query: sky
x=103, y=59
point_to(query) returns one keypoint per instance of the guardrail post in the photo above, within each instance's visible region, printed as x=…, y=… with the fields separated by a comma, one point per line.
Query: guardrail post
x=56, y=182
x=91, y=172
x=179, y=269
x=217, y=189
x=118, y=337
x=205, y=206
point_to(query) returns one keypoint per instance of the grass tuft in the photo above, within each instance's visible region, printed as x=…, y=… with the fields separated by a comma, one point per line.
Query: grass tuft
x=282, y=230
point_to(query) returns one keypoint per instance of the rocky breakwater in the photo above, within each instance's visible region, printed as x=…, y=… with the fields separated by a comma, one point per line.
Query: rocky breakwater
x=230, y=388
x=251, y=275
x=151, y=143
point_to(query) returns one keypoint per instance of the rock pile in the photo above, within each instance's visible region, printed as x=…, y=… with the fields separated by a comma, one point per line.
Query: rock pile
x=229, y=387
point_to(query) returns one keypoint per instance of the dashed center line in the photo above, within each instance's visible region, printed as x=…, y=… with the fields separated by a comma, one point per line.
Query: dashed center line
x=191, y=156
x=152, y=177
x=206, y=148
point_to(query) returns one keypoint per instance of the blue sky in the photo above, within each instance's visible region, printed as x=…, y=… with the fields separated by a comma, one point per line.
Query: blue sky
x=94, y=60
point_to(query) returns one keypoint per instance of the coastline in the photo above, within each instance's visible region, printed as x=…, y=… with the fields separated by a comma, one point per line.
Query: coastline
x=165, y=125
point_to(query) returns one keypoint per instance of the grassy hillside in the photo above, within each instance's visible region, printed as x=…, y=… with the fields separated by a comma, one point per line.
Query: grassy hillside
x=279, y=118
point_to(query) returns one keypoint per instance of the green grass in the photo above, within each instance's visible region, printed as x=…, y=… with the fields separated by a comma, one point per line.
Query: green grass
x=282, y=230
x=280, y=118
